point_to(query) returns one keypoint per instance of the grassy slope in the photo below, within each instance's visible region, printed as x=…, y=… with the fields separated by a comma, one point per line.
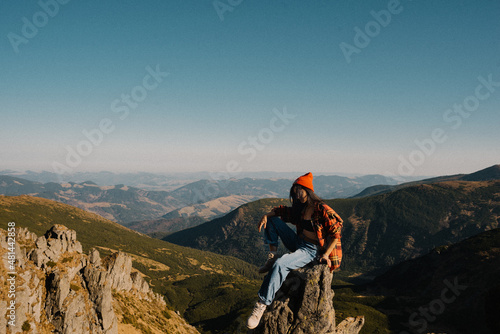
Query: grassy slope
x=175, y=271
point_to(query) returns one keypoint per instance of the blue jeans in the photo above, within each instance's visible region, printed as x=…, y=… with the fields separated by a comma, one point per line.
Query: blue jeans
x=303, y=252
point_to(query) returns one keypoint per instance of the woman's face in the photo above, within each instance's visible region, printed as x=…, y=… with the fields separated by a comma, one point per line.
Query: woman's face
x=301, y=194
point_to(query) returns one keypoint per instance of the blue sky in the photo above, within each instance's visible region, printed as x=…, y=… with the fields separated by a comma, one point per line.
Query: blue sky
x=250, y=86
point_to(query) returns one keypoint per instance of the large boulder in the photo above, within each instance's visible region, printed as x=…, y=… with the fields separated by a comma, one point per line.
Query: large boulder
x=304, y=305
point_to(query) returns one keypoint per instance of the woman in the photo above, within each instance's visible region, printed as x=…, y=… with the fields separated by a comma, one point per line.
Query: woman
x=317, y=236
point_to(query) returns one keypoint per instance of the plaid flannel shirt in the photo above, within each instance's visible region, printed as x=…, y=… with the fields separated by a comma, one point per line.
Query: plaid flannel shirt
x=327, y=224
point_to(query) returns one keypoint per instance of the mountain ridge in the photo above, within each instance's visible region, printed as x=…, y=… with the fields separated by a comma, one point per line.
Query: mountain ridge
x=487, y=174
x=119, y=202
x=129, y=205
x=378, y=232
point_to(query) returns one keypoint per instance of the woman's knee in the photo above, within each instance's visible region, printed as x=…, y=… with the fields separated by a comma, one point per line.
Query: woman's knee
x=278, y=224
x=274, y=220
x=282, y=264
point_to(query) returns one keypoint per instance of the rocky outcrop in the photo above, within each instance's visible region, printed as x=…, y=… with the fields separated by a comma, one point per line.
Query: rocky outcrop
x=304, y=305
x=58, y=289
x=56, y=241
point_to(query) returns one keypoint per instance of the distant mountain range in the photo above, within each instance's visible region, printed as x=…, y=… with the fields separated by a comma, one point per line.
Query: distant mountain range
x=119, y=203
x=186, y=206
x=379, y=231
x=154, y=181
x=487, y=174
x=142, y=180
x=214, y=199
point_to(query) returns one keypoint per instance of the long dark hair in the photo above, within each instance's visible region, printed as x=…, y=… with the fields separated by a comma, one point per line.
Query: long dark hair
x=298, y=207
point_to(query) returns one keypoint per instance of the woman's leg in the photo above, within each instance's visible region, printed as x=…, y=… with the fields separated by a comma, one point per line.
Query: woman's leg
x=305, y=253
x=277, y=229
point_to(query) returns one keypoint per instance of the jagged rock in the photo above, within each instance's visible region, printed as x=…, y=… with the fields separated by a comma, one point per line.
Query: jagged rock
x=304, y=305
x=57, y=285
x=350, y=325
x=73, y=293
x=28, y=291
x=58, y=240
x=99, y=288
x=119, y=267
x=60, y=236
x=77, y=319
x=139, y=283
x=95, y=258
x=25, y=234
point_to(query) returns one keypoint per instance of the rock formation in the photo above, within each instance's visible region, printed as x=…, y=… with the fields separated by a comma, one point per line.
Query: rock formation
x=304, y=305
x=58, y=289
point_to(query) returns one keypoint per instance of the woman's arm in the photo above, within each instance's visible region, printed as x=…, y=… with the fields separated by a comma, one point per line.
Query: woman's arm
x=326, y=255
x=333, y=226
x=284, y=212
x=263, y=220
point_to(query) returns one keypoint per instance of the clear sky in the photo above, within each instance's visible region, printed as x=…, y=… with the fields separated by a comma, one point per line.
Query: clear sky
x=388, y=87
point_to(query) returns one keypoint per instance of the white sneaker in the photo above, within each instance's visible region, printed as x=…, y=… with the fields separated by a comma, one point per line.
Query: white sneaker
x=254, y=319
x=271, y=258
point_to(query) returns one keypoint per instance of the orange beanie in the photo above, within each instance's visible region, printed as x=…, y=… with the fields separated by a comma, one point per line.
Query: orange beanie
x=305, y=180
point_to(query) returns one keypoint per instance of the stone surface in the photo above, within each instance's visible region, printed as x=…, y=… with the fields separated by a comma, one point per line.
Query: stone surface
x=350, y=325
x=304, y=305
x=56, y=241
x=99, y=288
x=116, y=266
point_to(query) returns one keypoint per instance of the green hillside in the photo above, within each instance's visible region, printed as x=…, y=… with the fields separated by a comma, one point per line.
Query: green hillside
x=379, y=231
x=187, y=277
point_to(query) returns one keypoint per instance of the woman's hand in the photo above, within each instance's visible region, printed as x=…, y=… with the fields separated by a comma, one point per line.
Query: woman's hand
x=326, y=259
x=263, y=220
x=263, y=223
